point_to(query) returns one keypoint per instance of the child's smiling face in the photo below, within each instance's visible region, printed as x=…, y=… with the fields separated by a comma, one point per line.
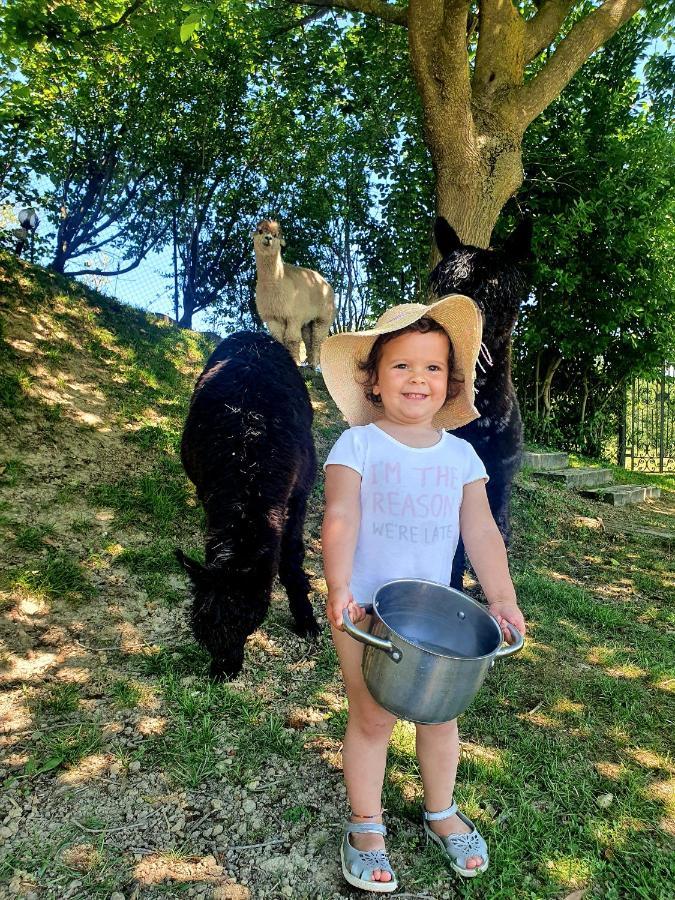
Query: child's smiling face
x=412, y=377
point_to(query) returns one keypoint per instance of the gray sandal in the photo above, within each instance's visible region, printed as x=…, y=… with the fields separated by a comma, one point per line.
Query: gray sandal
x=458, y=847
x=358, y=865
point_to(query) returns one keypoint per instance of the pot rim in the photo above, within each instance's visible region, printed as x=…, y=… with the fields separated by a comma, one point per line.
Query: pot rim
x=399, y=637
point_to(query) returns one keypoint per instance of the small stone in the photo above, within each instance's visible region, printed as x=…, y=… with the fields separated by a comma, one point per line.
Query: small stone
x=216, y=804
x=135, y=766
x=5, y=832
x=248, y=806
x=216, y=830
x=604, y=801
x=287, y=890
x=231, y=891
x=117, y=896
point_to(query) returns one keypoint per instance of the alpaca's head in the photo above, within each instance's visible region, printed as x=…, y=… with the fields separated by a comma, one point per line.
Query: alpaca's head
x=268, y=238
x=495, y=278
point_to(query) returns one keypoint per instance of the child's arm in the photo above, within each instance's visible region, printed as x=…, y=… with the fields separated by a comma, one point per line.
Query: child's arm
x=339, y=534
x=485, y=548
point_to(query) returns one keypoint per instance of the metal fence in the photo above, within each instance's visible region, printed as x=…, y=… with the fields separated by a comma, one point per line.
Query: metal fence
x=650, y=423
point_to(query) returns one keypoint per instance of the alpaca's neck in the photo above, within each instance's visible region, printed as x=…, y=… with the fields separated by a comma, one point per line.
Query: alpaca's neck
x=269, y=268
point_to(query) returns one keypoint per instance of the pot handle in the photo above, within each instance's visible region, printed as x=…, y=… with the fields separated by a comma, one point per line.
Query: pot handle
x=517, y=644
x=366, y=638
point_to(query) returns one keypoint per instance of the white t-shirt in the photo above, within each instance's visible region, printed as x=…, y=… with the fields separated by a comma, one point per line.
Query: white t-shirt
x=410, y=500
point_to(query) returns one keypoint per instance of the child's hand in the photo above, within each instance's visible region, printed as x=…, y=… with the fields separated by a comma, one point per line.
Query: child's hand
x=508, y=611
x=340, y=599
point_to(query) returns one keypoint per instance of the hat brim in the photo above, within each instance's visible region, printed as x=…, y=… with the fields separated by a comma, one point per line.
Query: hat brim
x=341, y=355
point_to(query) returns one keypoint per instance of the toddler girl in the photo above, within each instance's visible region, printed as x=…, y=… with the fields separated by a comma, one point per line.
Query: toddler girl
x=399, y=489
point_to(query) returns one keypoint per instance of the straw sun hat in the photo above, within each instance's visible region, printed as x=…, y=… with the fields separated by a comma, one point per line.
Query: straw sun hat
x=341, y=354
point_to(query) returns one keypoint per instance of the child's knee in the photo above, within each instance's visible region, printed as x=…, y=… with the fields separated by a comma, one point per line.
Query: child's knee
x=374, y=725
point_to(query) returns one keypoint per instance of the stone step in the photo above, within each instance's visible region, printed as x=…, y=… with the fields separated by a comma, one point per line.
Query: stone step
x=652, y=492
x=577, y=478
x=622, y=494
x=545, y=461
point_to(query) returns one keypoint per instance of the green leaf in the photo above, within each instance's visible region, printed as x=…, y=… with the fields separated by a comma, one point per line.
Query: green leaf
x=190, y=25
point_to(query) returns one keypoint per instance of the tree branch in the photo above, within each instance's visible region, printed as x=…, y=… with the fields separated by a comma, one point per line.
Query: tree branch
x=541, y=29
x=396, y=15
x=305, y=20
x=499, y=54
x=128, y=12
x=589, y=33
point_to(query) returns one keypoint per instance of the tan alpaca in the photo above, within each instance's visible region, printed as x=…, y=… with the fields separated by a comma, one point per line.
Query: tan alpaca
x=296, y=304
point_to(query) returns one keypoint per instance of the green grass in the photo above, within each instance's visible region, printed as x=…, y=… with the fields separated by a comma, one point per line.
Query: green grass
x=60, y=699
x=31, y=537
x=39, y=853
x=622, y=475
x=160, y=497
x=59, y=576
x=125, y=693
x=62, y=748
x=12, y=471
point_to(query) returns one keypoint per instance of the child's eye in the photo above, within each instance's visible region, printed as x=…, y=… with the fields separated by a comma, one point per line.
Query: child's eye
x=434, y=368
x=400, y=366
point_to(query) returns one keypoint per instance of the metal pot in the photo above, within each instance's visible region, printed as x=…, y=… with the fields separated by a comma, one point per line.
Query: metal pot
x=428, y=649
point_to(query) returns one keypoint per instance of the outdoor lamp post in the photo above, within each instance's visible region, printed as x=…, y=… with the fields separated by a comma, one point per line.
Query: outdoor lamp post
x=29, y=221
x=21, y=236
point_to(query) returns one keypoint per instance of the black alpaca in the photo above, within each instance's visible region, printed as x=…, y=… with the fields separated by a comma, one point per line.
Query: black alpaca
x=497, y=280
x=247, y=447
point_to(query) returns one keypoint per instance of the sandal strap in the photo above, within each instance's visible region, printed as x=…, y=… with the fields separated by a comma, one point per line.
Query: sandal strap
x=438, y=816
x=365, y=828
x=368, y=861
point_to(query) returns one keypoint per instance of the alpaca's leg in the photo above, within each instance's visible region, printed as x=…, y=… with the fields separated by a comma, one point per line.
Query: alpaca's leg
x=292, y=340
x=291, y=573
x=458, y=567
x=319, y=334
x=312, y=345
x=498, y=491
x=307, y=341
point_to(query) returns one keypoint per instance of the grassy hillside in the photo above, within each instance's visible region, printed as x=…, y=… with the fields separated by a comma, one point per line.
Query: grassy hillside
x=127, y=774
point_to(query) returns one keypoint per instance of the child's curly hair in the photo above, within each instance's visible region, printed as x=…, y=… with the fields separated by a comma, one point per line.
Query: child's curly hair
x=421, y=326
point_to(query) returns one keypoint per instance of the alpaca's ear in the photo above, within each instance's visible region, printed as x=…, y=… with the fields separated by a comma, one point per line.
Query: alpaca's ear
x=197, y=572
x=446, y=236
x=518, y=245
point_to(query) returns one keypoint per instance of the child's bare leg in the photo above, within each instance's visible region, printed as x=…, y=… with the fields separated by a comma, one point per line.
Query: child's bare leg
x=438, y=756
x=364, y=751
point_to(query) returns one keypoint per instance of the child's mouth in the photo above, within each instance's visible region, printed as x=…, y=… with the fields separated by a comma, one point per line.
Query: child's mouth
x=415, y=396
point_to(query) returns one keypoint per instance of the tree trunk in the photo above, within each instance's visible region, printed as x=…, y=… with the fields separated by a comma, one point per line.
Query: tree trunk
x=471, y=191
x=185, y=320
x=546, y=388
